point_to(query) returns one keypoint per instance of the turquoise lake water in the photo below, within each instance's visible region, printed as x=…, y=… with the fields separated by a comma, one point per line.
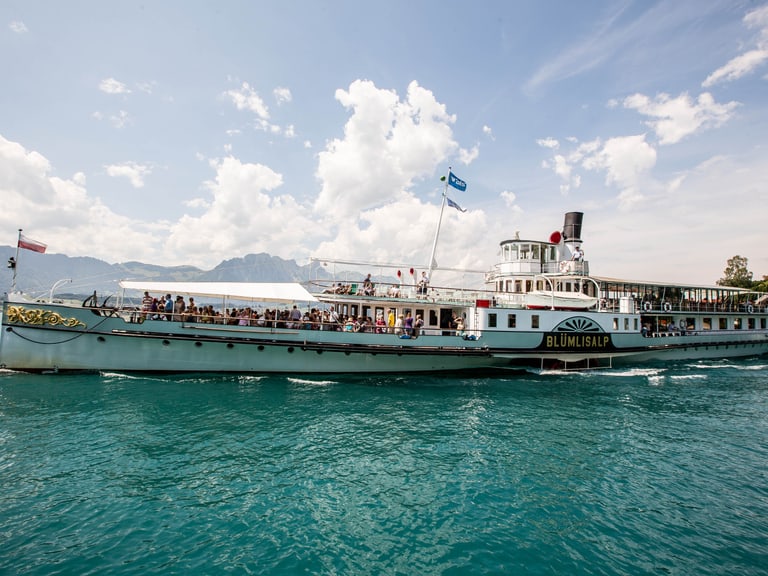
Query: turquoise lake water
x=662, y=470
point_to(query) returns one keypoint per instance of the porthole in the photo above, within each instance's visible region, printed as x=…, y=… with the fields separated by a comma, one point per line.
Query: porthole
x=230, y=345
x=166, y=343
x=290, y=349
x=100, y=339
x=260, y=348
x=198, y=344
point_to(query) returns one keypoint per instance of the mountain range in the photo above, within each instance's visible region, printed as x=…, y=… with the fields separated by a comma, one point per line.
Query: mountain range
x=36, y=274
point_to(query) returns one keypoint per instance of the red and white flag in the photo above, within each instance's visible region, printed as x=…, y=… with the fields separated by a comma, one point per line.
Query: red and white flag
x=30, y=244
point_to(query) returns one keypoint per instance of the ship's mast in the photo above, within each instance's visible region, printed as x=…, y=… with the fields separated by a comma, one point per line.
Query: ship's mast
x=432, y=261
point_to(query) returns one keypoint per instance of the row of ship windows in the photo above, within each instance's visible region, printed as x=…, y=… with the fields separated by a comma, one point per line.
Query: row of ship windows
x=493, y=322
x=535, y=252
x=663, y=324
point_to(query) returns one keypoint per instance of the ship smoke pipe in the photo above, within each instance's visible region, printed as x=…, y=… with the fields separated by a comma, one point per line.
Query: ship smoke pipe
x=572, y=226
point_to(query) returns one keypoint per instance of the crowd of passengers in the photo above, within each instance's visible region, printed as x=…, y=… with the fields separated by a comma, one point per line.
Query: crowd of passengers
x=368, y=288
x=181, y=311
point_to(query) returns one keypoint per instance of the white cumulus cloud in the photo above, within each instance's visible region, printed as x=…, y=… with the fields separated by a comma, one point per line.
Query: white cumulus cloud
x=388, y=143
x=676, y=118
x=282, y=95
x=18, y=27
x=112, y=86
x=750, y=60
x=737, y=67
x=120, y=120
x=73, y=221
x=246, y=98
x=625, y=162
x=550, y=143
x=134, y=171
x=243, y=215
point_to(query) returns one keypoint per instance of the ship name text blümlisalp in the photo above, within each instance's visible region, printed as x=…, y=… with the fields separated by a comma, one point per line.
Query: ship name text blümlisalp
x=579, y=341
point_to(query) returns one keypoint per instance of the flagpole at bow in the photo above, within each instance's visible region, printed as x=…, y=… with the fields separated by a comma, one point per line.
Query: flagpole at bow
x=27, y=244
x=15, y=263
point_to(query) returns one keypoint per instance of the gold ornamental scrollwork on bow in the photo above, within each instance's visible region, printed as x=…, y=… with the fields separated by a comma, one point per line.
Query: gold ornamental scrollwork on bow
x=20, y=315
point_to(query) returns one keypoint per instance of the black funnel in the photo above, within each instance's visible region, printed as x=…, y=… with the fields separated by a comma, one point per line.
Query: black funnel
x=572, y=226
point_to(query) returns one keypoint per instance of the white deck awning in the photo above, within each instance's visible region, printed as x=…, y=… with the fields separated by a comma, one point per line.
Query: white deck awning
x=252, y=291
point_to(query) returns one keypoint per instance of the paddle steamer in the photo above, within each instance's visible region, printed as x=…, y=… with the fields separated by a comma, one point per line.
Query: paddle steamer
x=537, y=307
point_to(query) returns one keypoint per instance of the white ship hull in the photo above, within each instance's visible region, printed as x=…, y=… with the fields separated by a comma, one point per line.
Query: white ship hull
x=84, y=339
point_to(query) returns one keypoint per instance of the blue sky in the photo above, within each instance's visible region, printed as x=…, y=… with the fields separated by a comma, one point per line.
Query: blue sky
x=193, y=132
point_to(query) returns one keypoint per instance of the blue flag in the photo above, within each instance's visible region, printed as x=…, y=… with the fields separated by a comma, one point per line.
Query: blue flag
x=453, y=204
x=456, y=183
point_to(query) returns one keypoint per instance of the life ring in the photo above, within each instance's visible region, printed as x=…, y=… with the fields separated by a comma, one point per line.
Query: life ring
x=750, y=309
x=667, y=307
x=564, y=266
x=647, y=306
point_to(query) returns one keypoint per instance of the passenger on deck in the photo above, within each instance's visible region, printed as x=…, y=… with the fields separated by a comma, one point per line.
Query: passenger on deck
x=154, y=309
x=178, y=309
x=368, y=286
x=459, y=326
x=423, y=283
x=207, y=314
x=398, y=329
x=168, y=307
x=315, y=318
x=381, y=325
x=408, y=324
x=418, y=324
x=146, y=305
x=190, y=314
x=578, y=255
x=334, y=319
x=260, y=320
x=295, y=316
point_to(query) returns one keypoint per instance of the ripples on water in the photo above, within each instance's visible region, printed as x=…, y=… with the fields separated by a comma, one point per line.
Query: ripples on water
x=659, y=470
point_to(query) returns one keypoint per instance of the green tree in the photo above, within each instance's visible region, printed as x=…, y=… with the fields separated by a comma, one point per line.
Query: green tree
x=761, y=285
x=736, y=273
